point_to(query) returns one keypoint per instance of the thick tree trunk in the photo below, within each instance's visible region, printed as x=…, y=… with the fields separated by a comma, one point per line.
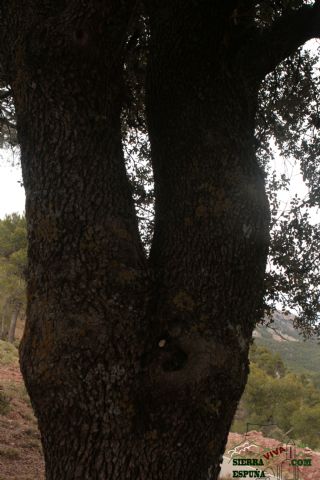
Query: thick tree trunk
x=81, y=350
x=133, y=379
x=13, y=322
x=212, y=219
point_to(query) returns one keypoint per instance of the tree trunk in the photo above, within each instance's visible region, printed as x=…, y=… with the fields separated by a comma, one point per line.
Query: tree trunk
x=134, y=368
x=212, y=218
x=13, y=322
x=3, y=321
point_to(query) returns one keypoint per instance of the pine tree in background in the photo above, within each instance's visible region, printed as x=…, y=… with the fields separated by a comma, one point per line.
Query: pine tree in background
x=135, y=363
x=13, y=261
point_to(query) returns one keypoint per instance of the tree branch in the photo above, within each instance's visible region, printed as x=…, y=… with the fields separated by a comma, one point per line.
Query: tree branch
x=282, y=39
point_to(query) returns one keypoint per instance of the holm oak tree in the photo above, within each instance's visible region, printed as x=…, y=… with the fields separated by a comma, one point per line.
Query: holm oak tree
x=135, y=363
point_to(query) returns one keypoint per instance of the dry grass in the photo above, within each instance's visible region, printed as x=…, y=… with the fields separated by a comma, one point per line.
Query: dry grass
x=4, y=403
x=8, y=353
x=10, y=453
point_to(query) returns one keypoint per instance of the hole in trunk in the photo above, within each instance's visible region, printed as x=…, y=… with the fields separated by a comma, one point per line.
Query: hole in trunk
x=177, y=361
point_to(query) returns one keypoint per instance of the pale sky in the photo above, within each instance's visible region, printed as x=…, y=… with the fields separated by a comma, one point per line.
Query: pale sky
x=291, y=169
x=12, y=197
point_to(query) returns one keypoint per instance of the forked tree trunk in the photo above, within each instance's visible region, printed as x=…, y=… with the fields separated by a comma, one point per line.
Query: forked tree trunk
x=134, y=368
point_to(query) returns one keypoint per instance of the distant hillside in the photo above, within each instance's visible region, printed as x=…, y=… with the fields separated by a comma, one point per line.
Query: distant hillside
x=279, y=400
x=299, y=356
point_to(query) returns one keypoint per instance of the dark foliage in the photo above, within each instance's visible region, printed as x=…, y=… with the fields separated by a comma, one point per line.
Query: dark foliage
x=288, y=120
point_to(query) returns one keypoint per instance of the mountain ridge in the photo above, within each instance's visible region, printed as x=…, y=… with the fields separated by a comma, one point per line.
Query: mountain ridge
x=281, y=337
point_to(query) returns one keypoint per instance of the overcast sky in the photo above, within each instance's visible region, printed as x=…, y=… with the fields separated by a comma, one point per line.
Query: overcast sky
x=12, y=197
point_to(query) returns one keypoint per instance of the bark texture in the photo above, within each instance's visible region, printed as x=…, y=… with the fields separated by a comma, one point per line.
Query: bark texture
x=135, y=366
x=211, y=230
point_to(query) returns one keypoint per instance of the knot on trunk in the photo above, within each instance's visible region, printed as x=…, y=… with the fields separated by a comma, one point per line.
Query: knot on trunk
x=186, y=364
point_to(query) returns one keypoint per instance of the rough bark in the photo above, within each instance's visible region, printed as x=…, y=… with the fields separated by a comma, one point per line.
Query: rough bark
x=135, y=367
x=211, y=229
x=13, y=322
x=86, y=277
x=283, y=38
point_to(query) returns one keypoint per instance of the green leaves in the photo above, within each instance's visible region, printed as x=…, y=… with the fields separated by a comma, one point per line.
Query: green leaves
x=294, y=279
x=275, y=396
x=12, y=235
x=13, y=261
x=287, y=118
